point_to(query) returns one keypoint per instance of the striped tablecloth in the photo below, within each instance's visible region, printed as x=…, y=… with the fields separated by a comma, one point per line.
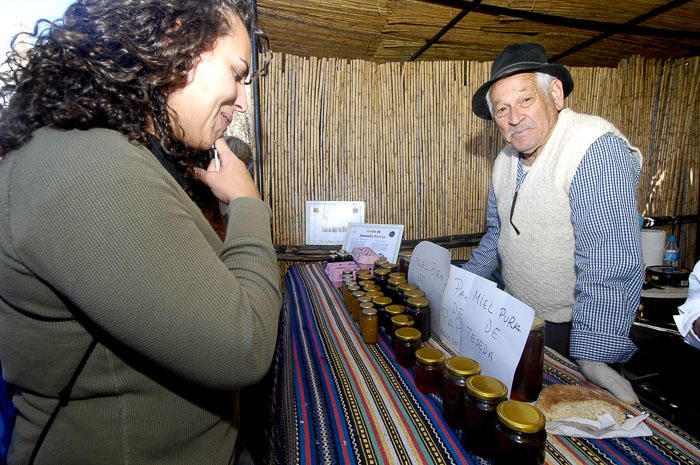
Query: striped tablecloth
x=339, y=400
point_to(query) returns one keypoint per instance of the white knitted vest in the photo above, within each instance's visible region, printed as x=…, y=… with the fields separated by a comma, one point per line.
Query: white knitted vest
x=539, y=265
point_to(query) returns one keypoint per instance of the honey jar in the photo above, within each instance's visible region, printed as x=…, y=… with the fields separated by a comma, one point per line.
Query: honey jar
x=403, y=287
x=404, y=261
x=369, y=325
x=520, y=434
x=381, y=276
x=399, y=321
x=429, y=373
x=390, y=311
x=392, y=288
x=457, y=371
x=357, y=312
x=389, y=266
x=483, y=394
x=419, y=309
x=412, y=293
x=406, y=342
x=354, y=303
x=529, y=374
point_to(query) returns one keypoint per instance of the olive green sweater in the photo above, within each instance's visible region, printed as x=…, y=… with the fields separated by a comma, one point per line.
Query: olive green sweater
x=97, y=239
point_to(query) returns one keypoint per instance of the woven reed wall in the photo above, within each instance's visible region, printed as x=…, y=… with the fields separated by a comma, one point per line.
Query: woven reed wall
x=401, y=137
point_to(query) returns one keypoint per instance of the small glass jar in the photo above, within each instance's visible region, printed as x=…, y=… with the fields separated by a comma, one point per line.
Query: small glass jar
x=404, y=261
x=390, y=311
x=457, y=371
x=347, y=294
x=419, y=309
x=403, y=287
x=372, y=287
x=411, y=294
x=378, y=263
x=366, y=282
x=392, y=288
x=401, y=321
x=482, y=396
x=397, y=274
x=380, y=278
x=429, y=373
x=520, y=434
x=406, y=342
x=364, y=306
x=529, y=374
x=389, y=266
x=358, y=311
x=381, y=303
x=374, y=294
x=362, y=275
x=369, y=325
x=354, y=307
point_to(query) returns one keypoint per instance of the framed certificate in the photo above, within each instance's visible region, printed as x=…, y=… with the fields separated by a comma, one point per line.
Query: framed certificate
x=327, y=222
x=384, y=239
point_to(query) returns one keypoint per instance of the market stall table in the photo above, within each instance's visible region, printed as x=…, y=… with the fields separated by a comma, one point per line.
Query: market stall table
x=339, y=400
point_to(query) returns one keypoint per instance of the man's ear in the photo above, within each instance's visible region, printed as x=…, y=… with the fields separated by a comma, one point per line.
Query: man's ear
x=556, y=91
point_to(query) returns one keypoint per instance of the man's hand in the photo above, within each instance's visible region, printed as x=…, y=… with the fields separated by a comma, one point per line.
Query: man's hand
x=601, y=374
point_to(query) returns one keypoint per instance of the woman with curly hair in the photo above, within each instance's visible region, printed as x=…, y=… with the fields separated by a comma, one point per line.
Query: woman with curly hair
x=127, y=326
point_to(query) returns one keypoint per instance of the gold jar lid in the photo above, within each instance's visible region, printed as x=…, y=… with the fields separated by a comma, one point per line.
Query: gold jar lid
x=418, y=302
x=379, y=262
x=397, y=274
x=395, y=309
x=371, y=287
x=407, y=334
x=402, y=320
x=366, y=282
x=414, y=293
x=389, y=266
x=369, y=311
x=462, y=366
x=396, y=281
x=407, y=287
x=520, y=416
x=358, y=294
x=365, y=298
x=430, y=356
x=354, y=287
x=364, y=305
x=364, y=274
x=486, y=387
x=381, y=272
x=382, y=301
x=374, y=294
x=537, y=323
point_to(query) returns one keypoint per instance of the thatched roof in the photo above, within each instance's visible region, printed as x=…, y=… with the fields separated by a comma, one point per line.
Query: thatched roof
x=575, y=33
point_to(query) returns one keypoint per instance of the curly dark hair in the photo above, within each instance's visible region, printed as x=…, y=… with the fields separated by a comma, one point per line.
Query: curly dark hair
x=110, y=64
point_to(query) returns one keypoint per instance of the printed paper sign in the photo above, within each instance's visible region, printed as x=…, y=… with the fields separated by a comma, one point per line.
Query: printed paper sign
x=327, y=222
x=429, y=270
x=383, y=239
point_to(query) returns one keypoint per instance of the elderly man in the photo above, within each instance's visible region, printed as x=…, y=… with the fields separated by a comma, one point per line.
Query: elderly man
x=562, y=214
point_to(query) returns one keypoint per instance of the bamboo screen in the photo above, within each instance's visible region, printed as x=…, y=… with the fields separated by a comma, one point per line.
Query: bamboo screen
x=401, y=137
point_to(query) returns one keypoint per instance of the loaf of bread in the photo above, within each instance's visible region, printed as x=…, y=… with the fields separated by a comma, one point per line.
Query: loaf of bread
x=560, y=401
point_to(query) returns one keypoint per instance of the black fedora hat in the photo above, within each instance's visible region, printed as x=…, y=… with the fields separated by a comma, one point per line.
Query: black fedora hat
x=514, y=59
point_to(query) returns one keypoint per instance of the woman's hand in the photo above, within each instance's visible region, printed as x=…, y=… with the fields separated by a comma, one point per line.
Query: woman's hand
x=232, y=180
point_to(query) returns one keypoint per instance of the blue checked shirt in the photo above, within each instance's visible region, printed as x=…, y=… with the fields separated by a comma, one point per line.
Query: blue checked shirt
x=608, y=258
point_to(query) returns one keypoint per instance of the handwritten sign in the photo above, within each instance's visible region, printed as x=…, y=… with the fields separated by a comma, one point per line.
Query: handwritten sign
x=429, y=270
x=494, y=330
x=455, y=302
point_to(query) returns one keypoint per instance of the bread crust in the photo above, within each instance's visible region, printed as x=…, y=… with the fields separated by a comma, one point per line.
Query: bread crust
x=560, y=401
